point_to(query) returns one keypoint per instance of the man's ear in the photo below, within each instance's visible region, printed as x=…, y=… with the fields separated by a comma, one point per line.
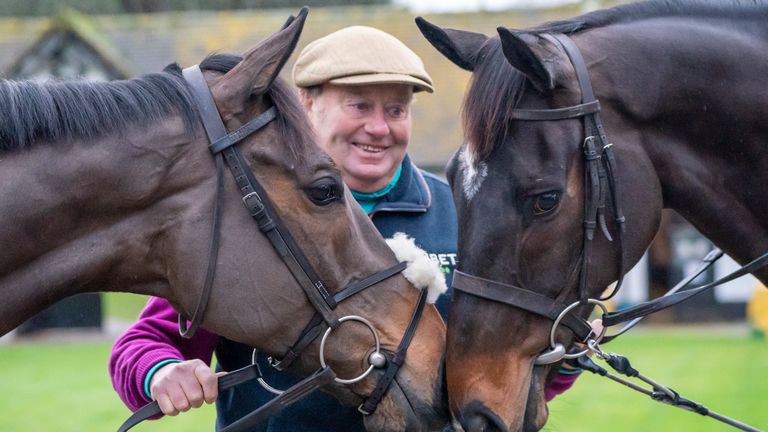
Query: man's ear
x=459, y=46
x=524, y=51
x=307, y=101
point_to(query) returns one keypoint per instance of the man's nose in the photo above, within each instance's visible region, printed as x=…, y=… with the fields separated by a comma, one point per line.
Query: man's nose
x=377, y=125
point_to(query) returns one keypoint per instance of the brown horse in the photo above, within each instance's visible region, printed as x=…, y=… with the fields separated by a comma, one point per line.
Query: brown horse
x=110, y=187
x=681, y=87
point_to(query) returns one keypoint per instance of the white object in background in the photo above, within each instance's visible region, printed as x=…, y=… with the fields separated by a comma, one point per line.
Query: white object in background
x=735, y=291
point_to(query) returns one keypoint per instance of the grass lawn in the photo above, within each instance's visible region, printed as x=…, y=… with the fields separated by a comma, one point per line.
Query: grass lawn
x=64, y=387
x=723, y=373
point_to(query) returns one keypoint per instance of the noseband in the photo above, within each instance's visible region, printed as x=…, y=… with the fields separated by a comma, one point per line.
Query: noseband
x=599, y=181
x=262, y=210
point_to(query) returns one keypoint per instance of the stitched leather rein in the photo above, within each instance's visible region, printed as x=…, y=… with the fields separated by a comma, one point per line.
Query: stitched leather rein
x=257, y=203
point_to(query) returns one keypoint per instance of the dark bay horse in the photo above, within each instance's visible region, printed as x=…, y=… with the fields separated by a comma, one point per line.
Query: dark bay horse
x=683, y=98
x=110, y=187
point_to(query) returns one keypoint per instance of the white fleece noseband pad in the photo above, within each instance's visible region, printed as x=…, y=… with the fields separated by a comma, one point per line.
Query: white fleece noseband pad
x=422, y=272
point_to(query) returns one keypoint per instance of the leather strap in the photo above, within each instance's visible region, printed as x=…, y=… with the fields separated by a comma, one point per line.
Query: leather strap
x=314, y=328
x=278, y=403
x=224, y=382
x=371, y=280
x=520, y=298
x=394, y=364
x=244, y=131
x=556, y=114
x=647, y=308
x=209, y=116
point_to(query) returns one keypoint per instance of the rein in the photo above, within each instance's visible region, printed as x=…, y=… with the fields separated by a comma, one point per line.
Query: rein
x=257, y=203
x=599, y=180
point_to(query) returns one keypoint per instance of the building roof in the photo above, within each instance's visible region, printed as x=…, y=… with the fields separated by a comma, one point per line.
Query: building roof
x=138, y=44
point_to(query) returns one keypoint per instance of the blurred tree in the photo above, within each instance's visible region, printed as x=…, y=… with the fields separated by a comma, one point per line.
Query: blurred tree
x=49, y=7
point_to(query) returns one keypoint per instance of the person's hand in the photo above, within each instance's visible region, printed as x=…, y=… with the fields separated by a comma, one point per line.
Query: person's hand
x=177, y=387
x=597, y=329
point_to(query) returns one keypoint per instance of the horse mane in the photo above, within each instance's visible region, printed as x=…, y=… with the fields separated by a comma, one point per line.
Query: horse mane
x=750, y=9
x=57, y=110
x=496, y=87
x=34, y=112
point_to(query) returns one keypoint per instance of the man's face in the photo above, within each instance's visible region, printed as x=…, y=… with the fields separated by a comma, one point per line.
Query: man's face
x=364, y=128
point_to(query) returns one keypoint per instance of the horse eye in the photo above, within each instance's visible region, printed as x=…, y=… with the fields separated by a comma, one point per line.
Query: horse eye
x=545, y=202
x=324, y=191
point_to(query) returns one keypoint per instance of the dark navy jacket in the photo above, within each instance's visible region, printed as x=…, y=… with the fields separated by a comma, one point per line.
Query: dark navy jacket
x=419, y=205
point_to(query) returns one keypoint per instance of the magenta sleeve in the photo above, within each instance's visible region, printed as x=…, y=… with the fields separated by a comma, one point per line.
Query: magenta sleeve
x=559, y=384
x=152, y=339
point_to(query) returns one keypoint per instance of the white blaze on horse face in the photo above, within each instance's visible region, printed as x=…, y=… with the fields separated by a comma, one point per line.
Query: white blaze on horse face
x=474, y=173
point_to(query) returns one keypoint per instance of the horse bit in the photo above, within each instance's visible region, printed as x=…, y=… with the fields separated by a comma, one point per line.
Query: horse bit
x=599, y=179
x=257, y=203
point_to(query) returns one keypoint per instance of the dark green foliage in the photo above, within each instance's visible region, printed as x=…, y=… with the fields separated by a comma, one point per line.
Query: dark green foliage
x=50, y=7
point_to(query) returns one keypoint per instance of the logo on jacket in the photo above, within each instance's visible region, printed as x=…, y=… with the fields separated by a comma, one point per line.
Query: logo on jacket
x=447, y=261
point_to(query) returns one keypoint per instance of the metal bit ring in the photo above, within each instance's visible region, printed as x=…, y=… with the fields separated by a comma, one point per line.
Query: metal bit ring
x=560, y=317
x=375, y=338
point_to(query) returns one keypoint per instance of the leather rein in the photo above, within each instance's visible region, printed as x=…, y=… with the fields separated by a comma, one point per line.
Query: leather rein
x=254, y=197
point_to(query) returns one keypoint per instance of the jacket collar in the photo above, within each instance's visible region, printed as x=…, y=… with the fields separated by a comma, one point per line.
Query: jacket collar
x=410, y=194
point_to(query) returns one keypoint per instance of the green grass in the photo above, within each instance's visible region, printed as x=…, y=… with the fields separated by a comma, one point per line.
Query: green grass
x=65, y=387
x=723, y=373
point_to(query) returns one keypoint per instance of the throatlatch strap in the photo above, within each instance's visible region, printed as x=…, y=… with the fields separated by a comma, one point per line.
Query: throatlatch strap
x=209, y=116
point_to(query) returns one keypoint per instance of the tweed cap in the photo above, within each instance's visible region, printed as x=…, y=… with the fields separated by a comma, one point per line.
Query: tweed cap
x=360, y=55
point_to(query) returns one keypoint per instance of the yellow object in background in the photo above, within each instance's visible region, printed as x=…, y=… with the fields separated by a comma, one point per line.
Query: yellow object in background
x=757, y=311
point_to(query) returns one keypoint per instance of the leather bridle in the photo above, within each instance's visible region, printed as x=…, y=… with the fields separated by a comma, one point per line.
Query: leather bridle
x=223, y=147
x=599, y=182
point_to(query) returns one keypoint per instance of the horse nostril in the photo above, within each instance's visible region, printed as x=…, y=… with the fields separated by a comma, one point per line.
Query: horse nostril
x=479, y=418
x=477, y=423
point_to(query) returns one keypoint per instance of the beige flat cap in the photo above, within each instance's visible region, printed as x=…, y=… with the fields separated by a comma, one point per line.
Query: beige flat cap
x=360, y=55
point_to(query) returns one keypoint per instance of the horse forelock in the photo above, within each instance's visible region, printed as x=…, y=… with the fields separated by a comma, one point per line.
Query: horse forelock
x=494, y=92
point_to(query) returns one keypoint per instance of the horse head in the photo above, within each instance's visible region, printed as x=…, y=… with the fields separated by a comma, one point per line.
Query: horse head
x=124, y=195
x=519, y=188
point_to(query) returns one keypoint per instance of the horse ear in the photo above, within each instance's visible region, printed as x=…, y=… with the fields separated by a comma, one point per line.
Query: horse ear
x=460, y=46
x=261, y=64
x=288, y=22
x=520, y=49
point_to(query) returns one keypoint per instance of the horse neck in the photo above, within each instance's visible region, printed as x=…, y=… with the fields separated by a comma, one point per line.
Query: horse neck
x=703, y=128
x=89, y=216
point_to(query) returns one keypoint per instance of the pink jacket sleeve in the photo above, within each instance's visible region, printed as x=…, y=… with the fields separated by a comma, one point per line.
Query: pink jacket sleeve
x=559, y=384
x=152, y=339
